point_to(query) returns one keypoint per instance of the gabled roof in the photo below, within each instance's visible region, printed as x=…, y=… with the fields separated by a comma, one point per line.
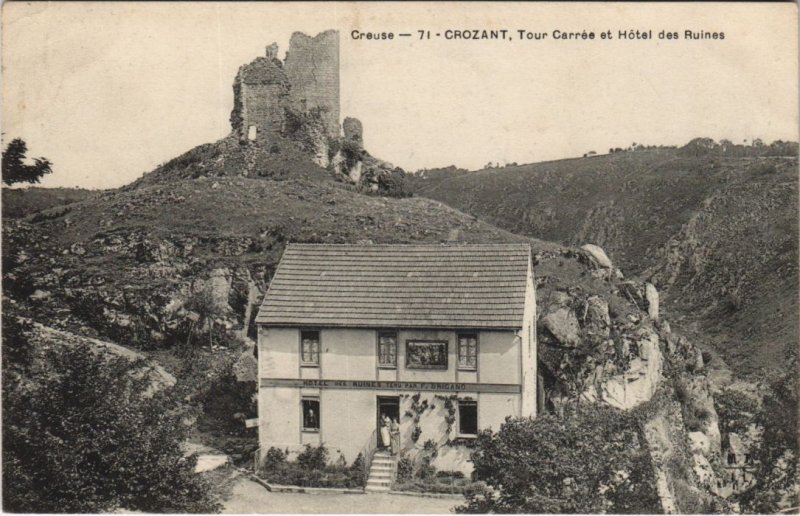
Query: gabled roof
x=398, y=286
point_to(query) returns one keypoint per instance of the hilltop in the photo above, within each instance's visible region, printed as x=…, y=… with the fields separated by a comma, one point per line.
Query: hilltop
x=716, y=234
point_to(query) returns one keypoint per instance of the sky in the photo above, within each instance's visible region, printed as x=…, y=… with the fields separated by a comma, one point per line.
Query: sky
x=107, y=91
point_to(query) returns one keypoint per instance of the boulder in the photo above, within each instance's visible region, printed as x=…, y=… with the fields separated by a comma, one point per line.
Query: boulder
x=598, y=255
x=563, y=325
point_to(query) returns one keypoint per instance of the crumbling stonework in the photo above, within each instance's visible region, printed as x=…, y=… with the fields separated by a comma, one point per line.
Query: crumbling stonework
x=271, y=96
x=260, y=96
x=312, y=65
x=353, y=130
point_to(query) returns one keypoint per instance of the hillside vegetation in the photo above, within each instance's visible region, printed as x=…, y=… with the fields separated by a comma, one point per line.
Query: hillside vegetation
x=22, y=202
x=717, y=234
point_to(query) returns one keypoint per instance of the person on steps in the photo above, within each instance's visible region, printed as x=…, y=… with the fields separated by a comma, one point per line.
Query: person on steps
x=385, y=436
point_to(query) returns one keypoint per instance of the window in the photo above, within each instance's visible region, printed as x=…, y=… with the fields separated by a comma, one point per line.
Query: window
x=309, y=348
x=467, y=418
x=310, y=407
x=426, y=354
x=387, y=349
x=468, y=351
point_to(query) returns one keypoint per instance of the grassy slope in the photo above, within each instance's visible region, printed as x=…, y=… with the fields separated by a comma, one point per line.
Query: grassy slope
x=718, y=235
x=218, y=205
x=25, y=201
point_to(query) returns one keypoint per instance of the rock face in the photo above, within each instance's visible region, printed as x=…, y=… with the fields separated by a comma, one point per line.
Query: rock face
x=651, y=295
x=609, y=338
x=563, y=325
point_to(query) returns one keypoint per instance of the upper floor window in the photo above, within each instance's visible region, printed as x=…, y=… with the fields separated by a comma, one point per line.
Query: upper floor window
x=309, y=348
x=468, y=351
x=387, y=349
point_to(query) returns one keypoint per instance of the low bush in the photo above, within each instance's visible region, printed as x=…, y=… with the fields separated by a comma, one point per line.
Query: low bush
x=405, y=468
x=440, y=483
x=311, y=469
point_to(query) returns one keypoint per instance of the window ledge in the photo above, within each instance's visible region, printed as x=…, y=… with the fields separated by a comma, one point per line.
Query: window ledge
x=310, y=431
x=468, y=369
x=466, y=436
x=309, y=365
x=387, y=367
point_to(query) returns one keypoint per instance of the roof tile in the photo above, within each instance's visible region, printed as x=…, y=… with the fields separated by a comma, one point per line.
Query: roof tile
x=442, y=286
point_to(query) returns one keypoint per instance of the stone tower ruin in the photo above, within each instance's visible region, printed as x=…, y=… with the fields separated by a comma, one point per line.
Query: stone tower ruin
x=312, y=66
x=268, y=92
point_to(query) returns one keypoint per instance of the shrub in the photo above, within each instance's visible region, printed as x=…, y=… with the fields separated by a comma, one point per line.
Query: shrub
x=405, y=469
x=275, y=458
x=313, y=457
x=224, y=397
x=311, y=469
x=551, y=464
x=87, y=440
x=449, y=474
x=357, y=473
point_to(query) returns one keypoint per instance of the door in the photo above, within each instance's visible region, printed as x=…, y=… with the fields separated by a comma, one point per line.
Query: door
x=389, y=406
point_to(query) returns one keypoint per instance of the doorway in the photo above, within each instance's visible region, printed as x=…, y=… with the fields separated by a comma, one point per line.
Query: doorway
x=390, y=406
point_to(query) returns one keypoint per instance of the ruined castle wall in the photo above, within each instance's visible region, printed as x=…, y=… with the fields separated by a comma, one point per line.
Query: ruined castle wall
x=312, y=66
x=262, y=108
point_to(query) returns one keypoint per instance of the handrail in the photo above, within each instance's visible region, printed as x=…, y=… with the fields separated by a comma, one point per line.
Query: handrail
x=368, y=452
x=257, y=459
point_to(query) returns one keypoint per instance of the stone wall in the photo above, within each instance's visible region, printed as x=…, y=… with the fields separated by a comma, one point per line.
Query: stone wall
x=308, y=81
x=312, y=66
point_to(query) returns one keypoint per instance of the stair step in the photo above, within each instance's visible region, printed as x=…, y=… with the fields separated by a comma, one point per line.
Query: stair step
x=372, y=482
x=381, y=475
x=374, y=489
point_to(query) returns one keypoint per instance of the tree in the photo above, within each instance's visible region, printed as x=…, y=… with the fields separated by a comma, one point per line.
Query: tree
x=79, y=436
x=594, y=461
x=14, y=168
x=205, y=305
x=776, y=477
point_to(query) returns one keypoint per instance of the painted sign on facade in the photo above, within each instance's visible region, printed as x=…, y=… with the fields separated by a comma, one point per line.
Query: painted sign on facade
x=393, y=386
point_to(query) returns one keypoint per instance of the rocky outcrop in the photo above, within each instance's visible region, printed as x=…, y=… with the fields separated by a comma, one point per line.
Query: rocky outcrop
x=613, y=345
x=353, y=130
x=598, y=255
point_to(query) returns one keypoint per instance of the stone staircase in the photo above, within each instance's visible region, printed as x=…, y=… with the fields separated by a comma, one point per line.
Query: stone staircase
x=381, y=473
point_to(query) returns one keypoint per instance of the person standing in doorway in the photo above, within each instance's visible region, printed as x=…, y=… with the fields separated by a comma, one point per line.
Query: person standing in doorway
x=385, y=436
x=395, y=434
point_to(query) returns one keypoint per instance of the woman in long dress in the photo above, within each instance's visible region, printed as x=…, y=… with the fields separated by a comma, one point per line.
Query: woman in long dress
x=395, y=433
x=385, y=436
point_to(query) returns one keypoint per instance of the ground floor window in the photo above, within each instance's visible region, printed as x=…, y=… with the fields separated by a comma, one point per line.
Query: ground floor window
x=310, y=408
x=467, y=418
